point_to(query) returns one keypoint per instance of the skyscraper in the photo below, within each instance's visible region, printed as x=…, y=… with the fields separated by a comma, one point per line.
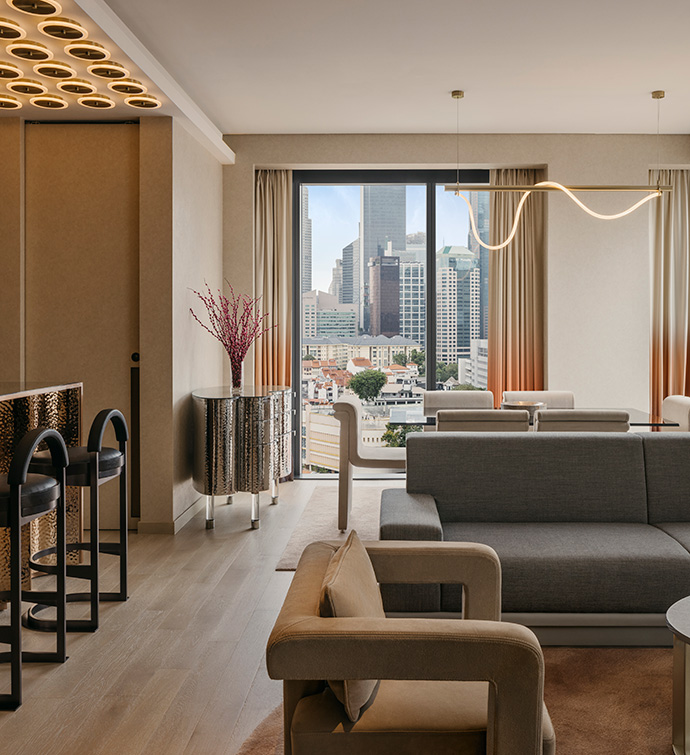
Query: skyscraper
x=384, y=296
x=351, y=292
x=457, y=289
x=413, y=301
x=336, y=287
x=305, y=241
x=479, y=201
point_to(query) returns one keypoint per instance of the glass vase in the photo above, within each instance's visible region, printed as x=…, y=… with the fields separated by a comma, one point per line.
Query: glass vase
x=236, y=374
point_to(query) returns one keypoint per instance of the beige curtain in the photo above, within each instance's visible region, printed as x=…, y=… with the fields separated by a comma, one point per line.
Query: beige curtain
x=670, y=239
x=516, y=287
x=273, y=274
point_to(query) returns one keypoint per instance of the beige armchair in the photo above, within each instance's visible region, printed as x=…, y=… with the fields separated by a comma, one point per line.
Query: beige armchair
x=353, y=453
x=472, y=685
x=677, y=409
x=552, y=399
x=582, y=420
x=435, y=400
x=482, y=420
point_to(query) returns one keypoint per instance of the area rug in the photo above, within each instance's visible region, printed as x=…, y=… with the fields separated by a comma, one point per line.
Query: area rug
x=319, y=521
x=602, y=701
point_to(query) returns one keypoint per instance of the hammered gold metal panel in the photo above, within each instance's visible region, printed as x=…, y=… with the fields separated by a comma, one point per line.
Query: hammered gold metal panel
x=58, y=409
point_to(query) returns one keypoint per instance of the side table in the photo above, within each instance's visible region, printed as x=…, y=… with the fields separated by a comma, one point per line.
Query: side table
x=242, y=443
x=678, y=621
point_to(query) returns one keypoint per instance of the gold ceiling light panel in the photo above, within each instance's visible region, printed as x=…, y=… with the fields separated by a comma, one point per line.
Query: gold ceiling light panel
x=49, y=102
x=11, y=29
x=127, y=86
x=76, y=86
x=54, y=70
x=96, y=102
x=10, y=71
x=63, y=28
x=143, y=102
x=26, y=49
x=9, y=103
x=108, y=70
x=26, y=86
x=87, y=50
x=36, y=7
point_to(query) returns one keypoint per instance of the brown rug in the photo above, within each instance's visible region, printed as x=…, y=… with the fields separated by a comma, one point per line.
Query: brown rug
x=602, y=701
x=319, y=521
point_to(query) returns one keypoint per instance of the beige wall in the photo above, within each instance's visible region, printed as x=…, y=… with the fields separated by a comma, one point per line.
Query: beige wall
x=597, y=287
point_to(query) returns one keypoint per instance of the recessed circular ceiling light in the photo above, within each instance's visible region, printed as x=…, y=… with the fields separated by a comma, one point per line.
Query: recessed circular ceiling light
x=9, y=103
x=143, y=101
x=127, y=86
x=28, y=50
x=87, y=50
x=26, y=86
x=96, y=102
x=49, y=102
x=76, y=86
x=36, y=7
x=108, y=70
x=10, y=71
x=11, y=29
x=54, y=70
x=62, y=28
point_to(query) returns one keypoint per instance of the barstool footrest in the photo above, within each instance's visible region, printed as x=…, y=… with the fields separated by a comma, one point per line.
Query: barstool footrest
x=31, y=621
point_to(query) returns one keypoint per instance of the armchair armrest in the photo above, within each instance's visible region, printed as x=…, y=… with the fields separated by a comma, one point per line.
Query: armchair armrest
x=409, y=516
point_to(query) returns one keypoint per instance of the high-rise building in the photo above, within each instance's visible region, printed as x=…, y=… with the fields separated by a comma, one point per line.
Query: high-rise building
x=305, y=240
x=479, y=201
x=351, y=292
x=336, y=287
x=323, y=315
x=384, y=296
x=413, y=301
x=457, y=292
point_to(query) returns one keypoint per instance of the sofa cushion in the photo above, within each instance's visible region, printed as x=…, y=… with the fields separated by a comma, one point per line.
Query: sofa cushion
x=349, y=590
x=580, y=567
x=530, y=477
x=679, y=531
x=668, y=476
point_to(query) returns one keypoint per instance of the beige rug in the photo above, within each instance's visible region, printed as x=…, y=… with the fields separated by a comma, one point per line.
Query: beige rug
x=602, y=701
x=319, y=521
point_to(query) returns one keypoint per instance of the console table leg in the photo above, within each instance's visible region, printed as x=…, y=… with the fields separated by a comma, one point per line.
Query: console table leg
x=230, y=500
x=681, y=697
x=274, y=491
x=210, y=513
x=255, y=511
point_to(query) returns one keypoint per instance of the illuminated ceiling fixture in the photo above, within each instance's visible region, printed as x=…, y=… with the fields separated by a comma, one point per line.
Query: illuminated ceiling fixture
x=10, y=30
x=49, y=102
x=10, y=71
x=96, y=102
x=28, y=50
x=108, y=70
x=36, y=7
x=127, y=86
x=9, y=103
x=26, y=86
x=76, y=86
x=143, y=101
x=87, y=50
x=54, y=70
x=457, y=188
x=63, y=28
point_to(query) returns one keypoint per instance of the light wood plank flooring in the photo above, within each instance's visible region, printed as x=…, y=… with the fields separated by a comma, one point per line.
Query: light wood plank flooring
x=179, y=667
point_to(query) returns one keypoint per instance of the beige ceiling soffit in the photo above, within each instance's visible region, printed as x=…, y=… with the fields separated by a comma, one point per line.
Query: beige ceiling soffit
x=201, y=126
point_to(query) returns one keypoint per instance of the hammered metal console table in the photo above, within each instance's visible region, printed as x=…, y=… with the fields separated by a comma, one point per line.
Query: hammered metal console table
x=242, y=443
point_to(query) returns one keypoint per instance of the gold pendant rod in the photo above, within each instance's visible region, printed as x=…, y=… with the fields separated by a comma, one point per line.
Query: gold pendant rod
x=490, y=187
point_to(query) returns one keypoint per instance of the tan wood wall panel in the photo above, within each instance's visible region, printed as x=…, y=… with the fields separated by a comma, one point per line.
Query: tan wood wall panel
x=82, y=264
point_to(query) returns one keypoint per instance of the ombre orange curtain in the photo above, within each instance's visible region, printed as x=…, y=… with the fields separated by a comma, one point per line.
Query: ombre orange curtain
x=670, y=327
x=516, y=287
x=273, y=274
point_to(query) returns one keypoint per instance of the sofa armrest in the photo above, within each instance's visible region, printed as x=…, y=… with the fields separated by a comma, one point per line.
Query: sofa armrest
x=409, y=516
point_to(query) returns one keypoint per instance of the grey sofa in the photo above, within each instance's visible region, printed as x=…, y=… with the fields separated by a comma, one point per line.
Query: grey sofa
x=592, y=529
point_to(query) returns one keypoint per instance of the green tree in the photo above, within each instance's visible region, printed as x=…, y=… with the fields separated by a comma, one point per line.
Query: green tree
x=445, y=371
x=419, y=358
x=367, y=384
x=400, y=359
x=308, y=356
x=467, y=387
x=396, y=437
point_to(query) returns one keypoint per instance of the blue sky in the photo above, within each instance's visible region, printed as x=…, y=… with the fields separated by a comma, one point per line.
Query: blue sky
x=334, y=211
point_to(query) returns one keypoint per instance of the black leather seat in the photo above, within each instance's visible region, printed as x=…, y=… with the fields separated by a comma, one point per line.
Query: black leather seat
x=24, y=497
x=83, y=461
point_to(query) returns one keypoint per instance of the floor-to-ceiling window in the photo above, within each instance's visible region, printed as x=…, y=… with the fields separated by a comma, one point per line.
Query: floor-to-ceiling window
x=392, y=298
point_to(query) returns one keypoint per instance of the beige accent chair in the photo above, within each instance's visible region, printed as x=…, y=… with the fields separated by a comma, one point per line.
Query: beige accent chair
x=353, y=453
x=435, y=400
x=482, y=420
x=552, y=399
x=472, y=685
x=581, y=420
x=677, y=409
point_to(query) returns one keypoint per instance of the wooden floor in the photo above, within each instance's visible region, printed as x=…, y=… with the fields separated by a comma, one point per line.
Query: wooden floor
x=179, y=667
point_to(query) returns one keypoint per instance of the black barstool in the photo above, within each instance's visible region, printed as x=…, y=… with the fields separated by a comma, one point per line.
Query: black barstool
x=24, y=497
x=81, y=472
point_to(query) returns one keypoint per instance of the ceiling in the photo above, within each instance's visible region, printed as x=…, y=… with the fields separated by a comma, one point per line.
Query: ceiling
x=388, y=66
